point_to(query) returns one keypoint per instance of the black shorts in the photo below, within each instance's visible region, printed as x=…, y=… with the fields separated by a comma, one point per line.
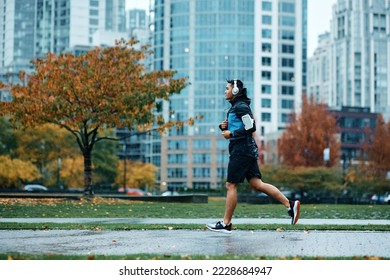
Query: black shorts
x=241, y=167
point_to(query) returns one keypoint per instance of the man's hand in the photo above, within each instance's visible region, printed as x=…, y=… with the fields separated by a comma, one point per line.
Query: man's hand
x=223, y=125
x=226, y=134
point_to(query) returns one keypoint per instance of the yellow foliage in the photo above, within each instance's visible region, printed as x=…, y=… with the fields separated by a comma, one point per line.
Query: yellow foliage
x=15, y=171
x=138, y=174
x=72, y=172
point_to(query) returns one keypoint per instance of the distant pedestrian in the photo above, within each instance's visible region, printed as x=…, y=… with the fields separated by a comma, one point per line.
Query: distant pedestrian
x=238, y=128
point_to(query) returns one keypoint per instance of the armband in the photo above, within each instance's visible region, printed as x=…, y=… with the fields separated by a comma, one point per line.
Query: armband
x=248, y=121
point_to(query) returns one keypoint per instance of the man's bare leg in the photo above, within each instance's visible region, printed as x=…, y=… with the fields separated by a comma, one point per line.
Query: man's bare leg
x=270, y=190
x=231, y=202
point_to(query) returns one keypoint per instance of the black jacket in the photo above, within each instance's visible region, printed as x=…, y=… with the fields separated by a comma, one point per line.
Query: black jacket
x=240, y=107
x=241, y=142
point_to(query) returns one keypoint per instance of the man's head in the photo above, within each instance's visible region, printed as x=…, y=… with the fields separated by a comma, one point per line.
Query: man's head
x=233, y=89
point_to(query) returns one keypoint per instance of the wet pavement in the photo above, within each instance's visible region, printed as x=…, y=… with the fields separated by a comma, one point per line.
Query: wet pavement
x=198, y=242
x=196, y=221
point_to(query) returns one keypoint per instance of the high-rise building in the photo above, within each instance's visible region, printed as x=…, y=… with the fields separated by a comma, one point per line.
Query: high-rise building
x=319, y=71
x=32, y=28
x=139, y=25
x=263, y=43
x=358, y=57
x=137, y=19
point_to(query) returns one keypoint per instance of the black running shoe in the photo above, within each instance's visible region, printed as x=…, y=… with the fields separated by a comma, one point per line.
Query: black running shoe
x=294, y=211
x=220, y=227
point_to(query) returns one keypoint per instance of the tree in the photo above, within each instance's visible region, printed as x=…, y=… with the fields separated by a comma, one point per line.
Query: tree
x=372, y=174
x=378, y=148
x=14, y=172
x=138, y=174
x=105, y=162
x=307, y=135
x=43, y=145
x=7, y=137
x=311, y=181
x=71, y=172
x=102, y=88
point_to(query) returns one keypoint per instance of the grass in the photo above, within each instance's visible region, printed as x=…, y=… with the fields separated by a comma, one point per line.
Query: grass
x=116, y=208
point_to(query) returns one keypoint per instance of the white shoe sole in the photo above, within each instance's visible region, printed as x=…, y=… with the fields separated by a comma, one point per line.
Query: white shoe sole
x=219, y=230
x=297, y=210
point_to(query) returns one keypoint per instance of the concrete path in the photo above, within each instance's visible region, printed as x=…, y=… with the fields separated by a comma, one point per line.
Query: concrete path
x=196, y=221
x=198, y=242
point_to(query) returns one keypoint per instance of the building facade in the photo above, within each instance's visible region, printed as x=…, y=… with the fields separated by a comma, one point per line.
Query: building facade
x=356, y=125
x=358, y=51
x=262, y=43
x=32, y=28
x=137, y=19
x=319, y=71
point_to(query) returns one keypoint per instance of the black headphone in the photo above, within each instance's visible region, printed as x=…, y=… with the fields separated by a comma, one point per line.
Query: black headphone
x=235, y=90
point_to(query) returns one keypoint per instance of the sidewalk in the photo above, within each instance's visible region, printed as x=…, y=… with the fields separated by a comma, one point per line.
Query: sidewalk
x=236, y=221
x=197, y=242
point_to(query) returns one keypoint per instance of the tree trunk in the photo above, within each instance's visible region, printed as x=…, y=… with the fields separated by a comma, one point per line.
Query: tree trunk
x=88, y=189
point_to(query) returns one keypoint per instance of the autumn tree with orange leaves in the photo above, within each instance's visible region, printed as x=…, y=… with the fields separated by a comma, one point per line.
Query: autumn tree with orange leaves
x=307, y=135
x=102, y=88
x=378, y=150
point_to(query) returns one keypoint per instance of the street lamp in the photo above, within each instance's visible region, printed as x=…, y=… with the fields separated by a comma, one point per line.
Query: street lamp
x=59, y=161
x=124, y=166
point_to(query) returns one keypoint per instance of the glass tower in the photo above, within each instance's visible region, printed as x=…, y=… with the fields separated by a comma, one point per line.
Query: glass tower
x=262, y=43
x=32, y=28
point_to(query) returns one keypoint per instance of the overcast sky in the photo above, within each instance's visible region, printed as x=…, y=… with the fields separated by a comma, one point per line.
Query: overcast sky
x=319, y=15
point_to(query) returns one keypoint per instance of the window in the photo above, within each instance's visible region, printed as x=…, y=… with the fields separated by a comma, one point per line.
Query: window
x=288, y=62
x=266, y=117
x=287, y=48
x=287, y=90
x=266, y=6
x=266, y=47
x=266, y=89
x=266, y=33
x=93, y=21
x=201, y=172
x=177, y=144
x=265, y=103
x=265, y=75
x=93, y=12
x=287, y=7
x=285, y=117
x=266, y=61
x=266, y=20
x=287, y=21
x=287, y=104
x=177, y=172
x=287, y=35
x=200, y=144
x=287, y=76
x=201, y=158
x=177, y=158
x=94, y=3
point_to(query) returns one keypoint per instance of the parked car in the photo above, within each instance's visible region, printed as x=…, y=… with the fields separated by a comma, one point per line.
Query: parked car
x=380, y=199
x=132, y=191
x=386, y=199
x=169, y=193
x=35, y=188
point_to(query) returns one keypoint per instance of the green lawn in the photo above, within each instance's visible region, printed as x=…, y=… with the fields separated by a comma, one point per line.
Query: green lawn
x=116, y=208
